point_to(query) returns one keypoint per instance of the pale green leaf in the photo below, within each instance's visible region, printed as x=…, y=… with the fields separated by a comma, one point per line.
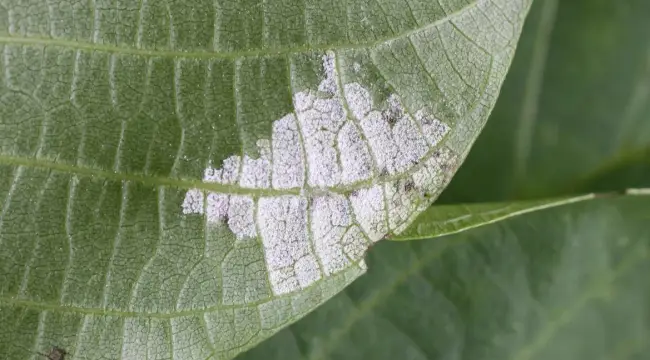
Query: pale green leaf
x=182, y=179
x=441, y=220
x=567, y=283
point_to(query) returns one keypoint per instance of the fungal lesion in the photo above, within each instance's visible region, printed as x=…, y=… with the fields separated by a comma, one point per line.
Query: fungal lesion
x=393, y=112
x=409, y=185
x=223, y=220
x=389, y=117
x=361, y=160
x=426, y=120
x=55, y=353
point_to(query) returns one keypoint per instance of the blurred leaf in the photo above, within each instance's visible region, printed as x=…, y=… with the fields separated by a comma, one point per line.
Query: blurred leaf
x=567, y=283
x=574, y=112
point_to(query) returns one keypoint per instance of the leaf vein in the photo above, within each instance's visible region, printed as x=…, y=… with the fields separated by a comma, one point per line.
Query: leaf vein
x=43, y=41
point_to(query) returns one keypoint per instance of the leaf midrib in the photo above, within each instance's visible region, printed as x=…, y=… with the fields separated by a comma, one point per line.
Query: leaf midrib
x=83, y=45
x=188, y=184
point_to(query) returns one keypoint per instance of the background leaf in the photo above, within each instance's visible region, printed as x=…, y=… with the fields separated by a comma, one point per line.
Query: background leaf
x=182, y=179
x=562, y=283
x=573, y=113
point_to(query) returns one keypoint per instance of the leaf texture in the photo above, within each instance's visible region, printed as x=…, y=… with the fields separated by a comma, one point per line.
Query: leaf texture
x=441, y=220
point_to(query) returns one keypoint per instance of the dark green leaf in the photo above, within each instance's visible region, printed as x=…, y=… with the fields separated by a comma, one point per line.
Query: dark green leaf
x=574, y=113
x=567, y=283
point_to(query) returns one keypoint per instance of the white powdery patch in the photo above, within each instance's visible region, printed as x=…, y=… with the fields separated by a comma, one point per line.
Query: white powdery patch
x=303, y=101
x=228, y=173
x=335, y=150
x=217, y=208
x=394, y=137
x=193, y=202
x=434, y=130
x=425, y=180
x=319, y=125
x=330, y=218
x=355, y=157
x=368, y=205
x=402, y=199
x=379, y=135
x=238, y=211
x=354, y=243
x=288, y=164
x=439, y=165
x=241, y=216
x=256, y=173
x=428, y=180
x=320, y=121
x=329, y=85
x=411, y=144
x=283, y=228
x=358, y=99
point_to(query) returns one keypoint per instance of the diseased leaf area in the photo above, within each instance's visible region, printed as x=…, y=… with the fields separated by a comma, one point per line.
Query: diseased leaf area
x=567, y=283
x=181, y=180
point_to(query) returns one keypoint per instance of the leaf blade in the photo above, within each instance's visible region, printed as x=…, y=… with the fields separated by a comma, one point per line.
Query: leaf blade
x=440, y=220
x=137, y=173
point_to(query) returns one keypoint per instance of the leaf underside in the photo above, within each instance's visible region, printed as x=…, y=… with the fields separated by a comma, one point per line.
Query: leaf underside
x=182, y=180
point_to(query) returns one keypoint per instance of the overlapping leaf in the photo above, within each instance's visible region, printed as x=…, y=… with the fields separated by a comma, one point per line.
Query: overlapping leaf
x=563, y=283
x=573, y=113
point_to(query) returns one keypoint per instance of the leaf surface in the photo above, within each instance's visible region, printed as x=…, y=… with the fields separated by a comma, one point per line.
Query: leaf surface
x=563, y=283
x=180, y=180
x=440, y=220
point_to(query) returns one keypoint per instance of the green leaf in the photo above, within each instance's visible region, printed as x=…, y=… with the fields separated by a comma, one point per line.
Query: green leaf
x=440, y=220
x=573, y=113
x=563, y=283
x=181, y=180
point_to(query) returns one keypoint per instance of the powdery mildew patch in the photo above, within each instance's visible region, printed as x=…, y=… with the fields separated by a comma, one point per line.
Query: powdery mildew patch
x=368, y=205
x=289, y=259
x=331, y=218
x=336, y=137
x=241, y=212
x=355, y=157
x=288, y=164
x=256, y=173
